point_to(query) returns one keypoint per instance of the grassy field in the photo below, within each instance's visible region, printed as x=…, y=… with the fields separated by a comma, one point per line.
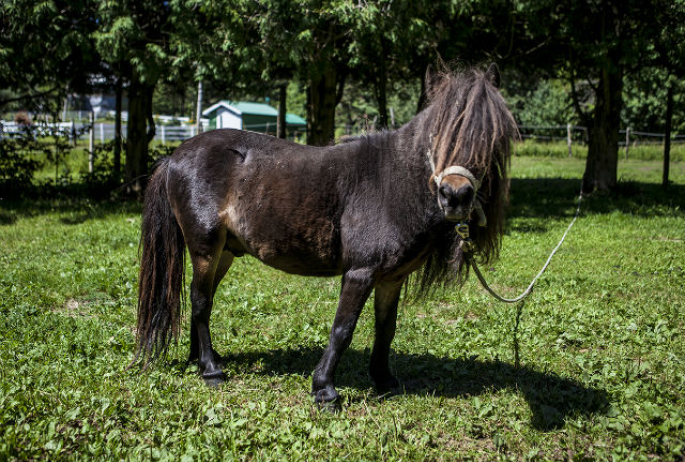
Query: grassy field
x=73, y=162
x=592, y=367
x=529, y=147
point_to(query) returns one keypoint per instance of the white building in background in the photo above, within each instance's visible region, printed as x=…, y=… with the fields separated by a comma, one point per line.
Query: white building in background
x=256, y=117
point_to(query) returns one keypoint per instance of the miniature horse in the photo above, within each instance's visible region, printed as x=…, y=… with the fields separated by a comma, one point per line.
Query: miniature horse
x=373, y=209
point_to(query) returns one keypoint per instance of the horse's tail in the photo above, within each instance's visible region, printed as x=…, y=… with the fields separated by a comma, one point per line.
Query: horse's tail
x=161, y=279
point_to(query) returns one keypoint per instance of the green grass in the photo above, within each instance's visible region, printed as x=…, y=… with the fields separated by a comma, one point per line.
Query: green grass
x=74, y=163
x=601, y=373
x=536, y=148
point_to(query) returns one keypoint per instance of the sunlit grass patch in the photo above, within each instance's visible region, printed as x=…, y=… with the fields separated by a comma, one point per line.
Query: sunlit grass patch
x=600, y=372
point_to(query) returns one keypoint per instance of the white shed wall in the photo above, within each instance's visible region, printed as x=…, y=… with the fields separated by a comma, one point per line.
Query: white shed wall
x=227, y=119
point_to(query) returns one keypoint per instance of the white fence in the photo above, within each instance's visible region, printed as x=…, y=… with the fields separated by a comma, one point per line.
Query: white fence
x=576, y=133
x=102, y=132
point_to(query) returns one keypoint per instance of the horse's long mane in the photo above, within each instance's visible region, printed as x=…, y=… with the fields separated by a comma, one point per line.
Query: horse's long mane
x=469, y=124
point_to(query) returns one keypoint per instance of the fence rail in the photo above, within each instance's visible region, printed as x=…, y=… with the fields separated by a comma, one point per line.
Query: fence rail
x=103, y=132
x=579, y=134
x=574, y=134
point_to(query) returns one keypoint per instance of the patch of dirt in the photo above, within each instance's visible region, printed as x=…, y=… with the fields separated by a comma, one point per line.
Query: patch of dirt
x=73, y=308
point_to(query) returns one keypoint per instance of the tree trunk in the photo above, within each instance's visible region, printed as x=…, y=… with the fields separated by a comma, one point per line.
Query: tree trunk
x=321, y=106
x=183, y=103
x=151, y=128
x=423, y=97
x=381, y=84
x=667, y=136
x=138, y=135
x=602, y=158
x=117, y=126
x=280, y=119
x=382, y=99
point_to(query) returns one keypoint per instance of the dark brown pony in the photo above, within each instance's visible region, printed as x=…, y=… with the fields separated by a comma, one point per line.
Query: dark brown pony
x=368, y=209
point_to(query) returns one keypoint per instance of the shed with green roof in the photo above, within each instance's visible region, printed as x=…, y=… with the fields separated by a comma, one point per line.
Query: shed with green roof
x=256, y=117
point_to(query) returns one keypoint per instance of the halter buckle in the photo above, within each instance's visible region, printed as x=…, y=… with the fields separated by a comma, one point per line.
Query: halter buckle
x=466, y=243
x=463, y=231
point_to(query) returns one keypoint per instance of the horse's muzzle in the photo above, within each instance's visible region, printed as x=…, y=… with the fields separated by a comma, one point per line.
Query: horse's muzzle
x=456, y=203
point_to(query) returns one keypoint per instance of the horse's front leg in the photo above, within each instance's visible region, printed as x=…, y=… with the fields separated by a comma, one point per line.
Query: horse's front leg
x=356, y=288
x=385, y=308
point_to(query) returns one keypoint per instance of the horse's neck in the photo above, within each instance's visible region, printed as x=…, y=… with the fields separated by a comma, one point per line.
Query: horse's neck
x=396, y=161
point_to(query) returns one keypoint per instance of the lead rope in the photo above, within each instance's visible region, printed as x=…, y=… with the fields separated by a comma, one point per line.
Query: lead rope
x=468, y=247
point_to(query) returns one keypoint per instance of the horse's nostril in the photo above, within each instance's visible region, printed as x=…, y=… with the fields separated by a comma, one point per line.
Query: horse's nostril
x=464, y=194
x=446, y=191
x=455, y=198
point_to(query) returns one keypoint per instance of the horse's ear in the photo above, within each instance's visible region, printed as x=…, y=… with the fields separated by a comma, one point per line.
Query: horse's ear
x=493, y=75
x=432, y=79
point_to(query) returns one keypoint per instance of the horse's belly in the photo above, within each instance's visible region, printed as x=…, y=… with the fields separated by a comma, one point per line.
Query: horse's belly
x=312, y=251
x=292, y=258
x=303, y=268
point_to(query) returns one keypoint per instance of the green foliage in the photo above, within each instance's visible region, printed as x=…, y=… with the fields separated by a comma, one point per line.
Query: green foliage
x=45, y=47
x=16, y=167
x=600, y=346
x=548, y=104
x=296, y=99
x=136, y=35
x=36, y=146
x=645, y=102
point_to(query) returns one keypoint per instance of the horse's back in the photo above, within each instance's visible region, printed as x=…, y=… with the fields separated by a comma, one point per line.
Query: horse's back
x=267, y=194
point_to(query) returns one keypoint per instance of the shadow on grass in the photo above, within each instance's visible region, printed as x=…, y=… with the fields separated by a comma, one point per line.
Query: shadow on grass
x=7, y=218
x=551, y=398
x=556, y=198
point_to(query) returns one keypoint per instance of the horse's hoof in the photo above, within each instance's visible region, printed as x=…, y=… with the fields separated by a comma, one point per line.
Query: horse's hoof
x=333, y=407
x=388, y=385
x=328, y=400
x=215, y=379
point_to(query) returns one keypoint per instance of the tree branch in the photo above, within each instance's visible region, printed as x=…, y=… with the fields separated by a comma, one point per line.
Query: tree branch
x=584, y=116
x=28, y=96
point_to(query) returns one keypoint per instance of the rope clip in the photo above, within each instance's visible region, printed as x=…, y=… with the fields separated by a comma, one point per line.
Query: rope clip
x=466, y=243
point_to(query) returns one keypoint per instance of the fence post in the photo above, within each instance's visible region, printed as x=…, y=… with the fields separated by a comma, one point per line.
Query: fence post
x=74, y=138
x=568, y=139
x=192, y=131
x=199, y=107
x=91, y=144
x=163, y=134
x=627, y=141
x=667, y=136
x=102, y=133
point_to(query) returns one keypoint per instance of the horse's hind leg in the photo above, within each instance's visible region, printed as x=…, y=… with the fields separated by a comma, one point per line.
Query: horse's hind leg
x=385, y=306
x=206, y=255
x=222, y=268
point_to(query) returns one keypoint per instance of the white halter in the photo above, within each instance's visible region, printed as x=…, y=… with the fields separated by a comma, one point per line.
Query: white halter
x=456, y=170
